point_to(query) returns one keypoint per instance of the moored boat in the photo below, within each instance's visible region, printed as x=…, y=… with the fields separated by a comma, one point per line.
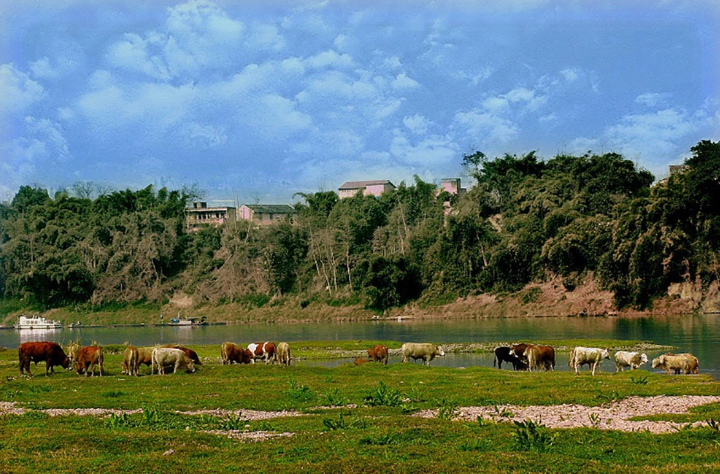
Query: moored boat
x=36, y=322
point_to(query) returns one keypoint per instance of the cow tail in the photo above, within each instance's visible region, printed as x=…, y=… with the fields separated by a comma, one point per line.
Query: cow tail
x=494, y=360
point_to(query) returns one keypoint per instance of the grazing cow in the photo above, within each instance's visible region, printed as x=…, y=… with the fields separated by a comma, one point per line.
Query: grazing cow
x=190, y=353
x=625, y=359
x=282, y=354
x=49, y=352
x=361, y=361
x=672, y=363
x=231, y=352
x=519, y=351
x=538, y=356
x=263, y=350
x=89, y=358
x=379, y=353
x=162, y=356
x=506, y=354
x=424, y=351
x=72, y=350
x=130, y=364
x=692, y=362
x=145, y=356
x=592, y=356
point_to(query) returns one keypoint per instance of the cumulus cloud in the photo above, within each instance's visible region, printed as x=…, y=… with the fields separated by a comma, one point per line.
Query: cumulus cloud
x=17, y=90
x=402, y=81
x=417, y=124
x=651, y=99
x=486, y=128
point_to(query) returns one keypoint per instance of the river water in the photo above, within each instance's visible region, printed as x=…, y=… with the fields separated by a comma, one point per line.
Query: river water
x=698, y=334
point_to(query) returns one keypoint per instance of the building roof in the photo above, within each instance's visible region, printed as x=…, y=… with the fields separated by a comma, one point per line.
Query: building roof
x=208, y=209
x=271, y=208
x=364, y=184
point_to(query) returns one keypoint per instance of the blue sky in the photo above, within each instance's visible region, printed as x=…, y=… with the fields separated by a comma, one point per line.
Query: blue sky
x=257, y=100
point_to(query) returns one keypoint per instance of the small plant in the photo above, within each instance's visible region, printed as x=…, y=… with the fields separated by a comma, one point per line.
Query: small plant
x=39, y=388
x=482, y=421
x=639, y=380
x=447, y=409
x=529, y=435
x=594, y=419
x=112, y=394
x=382, y=440
x=151, y=415
x=384, y=396
x=713, y=424
x=116, y=421
x=300, y=392
x=233, y=422
x=474, y=445
x=408, y=408
x=344, y=422
x=503, y=412
x=335, y=399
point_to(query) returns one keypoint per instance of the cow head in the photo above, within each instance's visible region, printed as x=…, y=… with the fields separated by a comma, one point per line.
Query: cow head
x=658, y=362
x=605, y=353
x=643, y=359
x=78, y=367
x=66, y=363
x=439, y=351
x=191, y=366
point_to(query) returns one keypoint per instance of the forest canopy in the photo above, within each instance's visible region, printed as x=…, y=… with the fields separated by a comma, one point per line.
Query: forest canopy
x=525, y=220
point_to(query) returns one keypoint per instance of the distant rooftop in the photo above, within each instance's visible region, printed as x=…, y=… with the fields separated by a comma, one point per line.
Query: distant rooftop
x=364, y=184
x=271, y=208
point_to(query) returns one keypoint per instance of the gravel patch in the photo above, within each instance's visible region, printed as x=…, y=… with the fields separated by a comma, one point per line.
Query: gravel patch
x=611, y=416
x=247, y=414
x=249, y=436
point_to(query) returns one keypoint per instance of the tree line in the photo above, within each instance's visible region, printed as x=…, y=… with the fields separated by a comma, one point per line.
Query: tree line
x=525, y=220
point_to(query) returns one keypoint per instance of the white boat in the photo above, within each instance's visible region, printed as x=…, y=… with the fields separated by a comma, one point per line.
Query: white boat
x=36, y=322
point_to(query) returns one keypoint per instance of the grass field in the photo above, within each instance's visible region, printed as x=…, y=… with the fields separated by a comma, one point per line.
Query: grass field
x=351, y=419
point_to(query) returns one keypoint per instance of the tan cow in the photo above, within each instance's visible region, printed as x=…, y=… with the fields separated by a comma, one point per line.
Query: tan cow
x=672, y=363
x=424, y=351
x=89, y=358
x=282, y=353
x=693, y=366
x=593, y=356
x=162, y=356
x=379, y=353
x=73, y=350
x=130, y=363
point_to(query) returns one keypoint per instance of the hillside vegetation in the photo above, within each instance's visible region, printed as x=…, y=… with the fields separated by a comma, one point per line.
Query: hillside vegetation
x=527, y=228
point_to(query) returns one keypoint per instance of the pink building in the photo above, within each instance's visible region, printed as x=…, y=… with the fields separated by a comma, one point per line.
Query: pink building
x=452, y=186
x=200, y=215
x=266, y=214
x=368, y=188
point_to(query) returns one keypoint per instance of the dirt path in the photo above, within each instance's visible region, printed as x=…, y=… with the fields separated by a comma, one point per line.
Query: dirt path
x=611, y=416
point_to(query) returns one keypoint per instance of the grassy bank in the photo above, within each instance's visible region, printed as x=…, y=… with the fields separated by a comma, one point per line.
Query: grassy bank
x=370, y=426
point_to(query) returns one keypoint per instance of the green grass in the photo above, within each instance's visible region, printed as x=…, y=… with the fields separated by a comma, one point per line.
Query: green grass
x=372, y=432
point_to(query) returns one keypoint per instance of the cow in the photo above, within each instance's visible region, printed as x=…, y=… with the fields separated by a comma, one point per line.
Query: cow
x=592, y=356
x=49, y=352
x=88, y=358
x=282, y=354
x=519, y=351
x=263, y=350
x=424, y=351
x=190, y=353
x=672, y=363
x=162, y=356
x=379, y=353
x=361, y=361
x=145, y=357
x=506, y=354
x=538, y=356
x=130, y=363
x=625, y=359
x=72, y=350
x=692, y=362
x=230, y=352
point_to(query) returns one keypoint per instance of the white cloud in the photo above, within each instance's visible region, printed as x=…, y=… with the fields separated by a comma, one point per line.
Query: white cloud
x=486, y=128
x=417, y=124
x=17, y=90
x=402, y=81
x=329, y=58
x=434, y=150
x=571, y=74
x=208, y=136
x=652, y=99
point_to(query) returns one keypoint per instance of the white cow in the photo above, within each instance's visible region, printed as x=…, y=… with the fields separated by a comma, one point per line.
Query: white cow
x=424, y=351
x=629, y=359
x=592, y=356
x=162, y=356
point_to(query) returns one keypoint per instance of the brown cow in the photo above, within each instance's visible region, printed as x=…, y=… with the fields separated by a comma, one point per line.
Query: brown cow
x=230, y=352
x=190, y=353
x=519, y=351
x=144, y=356
x=361, y=361
x=49, y=352
x=538, y=356
x=130, y=363
x=263, y=350
x=89, y=357
x=72, y=350
x=379, y=353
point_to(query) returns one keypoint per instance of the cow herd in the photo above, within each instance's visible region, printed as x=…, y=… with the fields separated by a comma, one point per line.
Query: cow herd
x=85, y=360
x=533, y=357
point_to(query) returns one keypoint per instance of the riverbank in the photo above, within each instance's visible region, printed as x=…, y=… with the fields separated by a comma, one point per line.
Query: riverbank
x=550, y=299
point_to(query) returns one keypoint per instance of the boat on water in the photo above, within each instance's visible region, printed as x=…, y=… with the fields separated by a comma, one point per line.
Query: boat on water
x=37, y=322
x=188, y=322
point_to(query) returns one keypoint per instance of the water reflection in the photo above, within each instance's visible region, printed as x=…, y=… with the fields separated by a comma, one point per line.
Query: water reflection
x=37, y=335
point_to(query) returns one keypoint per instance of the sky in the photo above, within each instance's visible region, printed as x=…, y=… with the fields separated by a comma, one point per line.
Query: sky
x=254, y=101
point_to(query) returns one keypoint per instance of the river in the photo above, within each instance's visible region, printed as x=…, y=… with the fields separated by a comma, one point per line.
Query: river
x=698, y=334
